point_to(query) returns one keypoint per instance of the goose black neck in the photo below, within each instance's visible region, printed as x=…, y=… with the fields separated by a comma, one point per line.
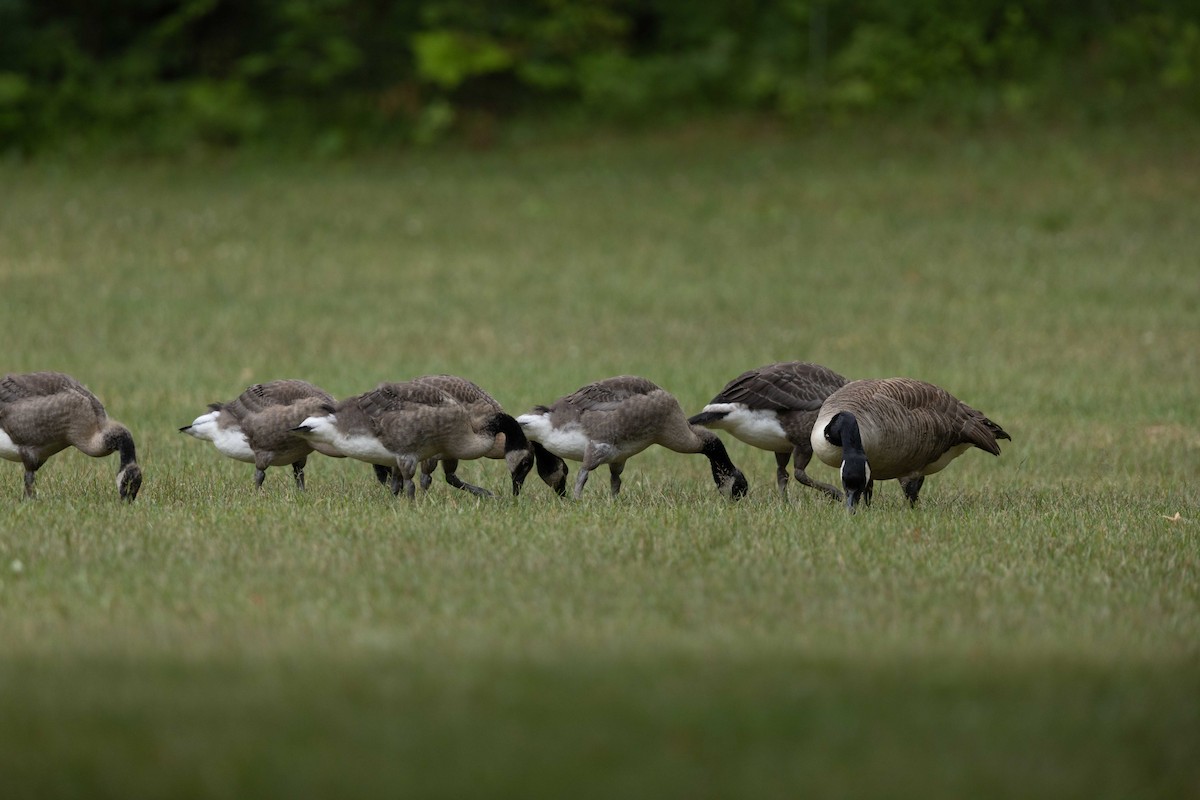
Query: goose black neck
x=121, y=440
x=727, y=476
x=845, y=428
x=514, y=435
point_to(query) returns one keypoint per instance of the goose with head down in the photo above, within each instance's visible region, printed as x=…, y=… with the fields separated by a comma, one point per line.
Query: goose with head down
x=897, y=428
x=399, y=425
x=773, y=408
x=482, y=406
x=42, y=413
x=256, y=426
x=612, y=420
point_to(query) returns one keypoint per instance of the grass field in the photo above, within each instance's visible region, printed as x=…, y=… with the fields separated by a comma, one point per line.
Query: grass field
x=1032, y=630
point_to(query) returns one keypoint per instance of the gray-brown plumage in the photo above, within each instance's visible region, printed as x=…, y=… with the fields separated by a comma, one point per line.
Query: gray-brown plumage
x=402, y=424
x=897, y=428
x=256, y=427
x=42, y=413
x=773, y=408
x=611, y=420
x=482, y=406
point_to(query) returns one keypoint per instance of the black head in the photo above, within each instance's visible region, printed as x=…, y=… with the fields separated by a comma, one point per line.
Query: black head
x=551, y=469
x=520, y=462
x=129, y=482
x=837, y=426
x=856, y=480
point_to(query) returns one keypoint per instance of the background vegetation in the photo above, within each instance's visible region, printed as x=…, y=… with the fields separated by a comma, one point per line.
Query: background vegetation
x=327, y=75
x=1033, y=630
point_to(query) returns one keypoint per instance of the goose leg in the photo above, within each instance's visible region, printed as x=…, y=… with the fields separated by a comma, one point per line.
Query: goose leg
x=614, y=476
x=781, y=472
x=407, y=469
x=593, y=456
x=30, y=472
x=912, y=487
x=450, y=467
x=427, y=468
x=581, y=481
x=802, y=455
x=260, y=474
x=298, y=472
x=382, y=474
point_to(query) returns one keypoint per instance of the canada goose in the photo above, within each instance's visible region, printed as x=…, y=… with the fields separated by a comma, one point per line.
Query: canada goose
x=42, y=413
x=256, y=427
x=896, y=428
x=774, y=408
x=609, y=421
x=402, y=424
x=482, y=405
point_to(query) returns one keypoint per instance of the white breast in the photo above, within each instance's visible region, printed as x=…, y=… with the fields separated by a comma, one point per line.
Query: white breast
x=822, y=449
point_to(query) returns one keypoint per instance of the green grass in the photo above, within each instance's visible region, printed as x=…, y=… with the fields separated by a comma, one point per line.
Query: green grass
x=1032, y=630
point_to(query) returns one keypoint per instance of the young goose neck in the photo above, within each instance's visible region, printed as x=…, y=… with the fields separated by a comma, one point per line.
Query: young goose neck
x=518, y=454
x=129, y=474
x=729, y=479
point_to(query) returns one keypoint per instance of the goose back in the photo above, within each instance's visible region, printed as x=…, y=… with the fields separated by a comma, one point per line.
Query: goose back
x=908, y=427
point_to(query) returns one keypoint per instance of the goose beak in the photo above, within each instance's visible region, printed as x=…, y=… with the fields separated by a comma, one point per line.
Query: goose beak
x=852, y=498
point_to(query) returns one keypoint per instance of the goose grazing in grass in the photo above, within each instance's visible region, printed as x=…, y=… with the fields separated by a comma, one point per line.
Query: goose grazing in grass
x=482, y=406
x=896, y=428
x=402, y=424
x=611, y=420
x=774, y=408
x=256, y=427
x=42, y=413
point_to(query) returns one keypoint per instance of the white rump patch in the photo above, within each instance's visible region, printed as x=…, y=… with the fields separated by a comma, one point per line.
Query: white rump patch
x=756, y=427
x=230, y=441
x=8, y=448
x=569, y=442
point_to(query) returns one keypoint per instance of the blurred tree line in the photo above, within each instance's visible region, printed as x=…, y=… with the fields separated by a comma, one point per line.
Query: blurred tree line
x=162, y=74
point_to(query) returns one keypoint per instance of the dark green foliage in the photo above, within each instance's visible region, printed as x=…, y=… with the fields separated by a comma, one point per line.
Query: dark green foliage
x=162, y=74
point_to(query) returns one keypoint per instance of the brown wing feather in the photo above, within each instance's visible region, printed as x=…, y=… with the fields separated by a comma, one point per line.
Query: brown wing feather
x=389, y=397
x=261, y=396
x=464, y=391
x=791, y=385
x=16, y=387
x=609, y=393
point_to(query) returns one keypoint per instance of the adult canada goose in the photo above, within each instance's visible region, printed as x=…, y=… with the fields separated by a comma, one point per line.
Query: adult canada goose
x=256, y=427
x=609, y=421
x=402, y=424
x=774, y=408
x=482, y=405
x=897, y=428
x=42, y=413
